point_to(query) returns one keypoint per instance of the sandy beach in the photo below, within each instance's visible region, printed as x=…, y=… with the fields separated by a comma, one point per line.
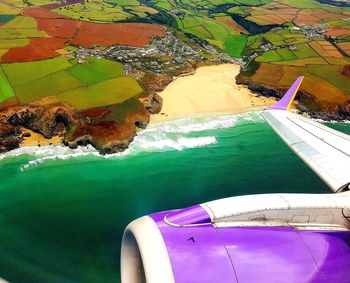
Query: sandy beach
x=36, y=139
x=210, y=89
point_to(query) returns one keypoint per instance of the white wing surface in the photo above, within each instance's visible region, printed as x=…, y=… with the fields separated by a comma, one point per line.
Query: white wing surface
x=324, y=150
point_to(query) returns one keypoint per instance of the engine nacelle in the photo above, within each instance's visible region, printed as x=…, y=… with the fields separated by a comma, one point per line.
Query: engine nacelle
x=259, y=238
x=144, y=256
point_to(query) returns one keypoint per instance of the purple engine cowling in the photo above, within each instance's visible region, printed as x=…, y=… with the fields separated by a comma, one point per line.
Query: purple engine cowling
x=184, y=246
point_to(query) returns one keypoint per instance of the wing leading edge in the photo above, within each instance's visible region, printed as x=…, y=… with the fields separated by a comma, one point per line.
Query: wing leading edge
x=324, y=150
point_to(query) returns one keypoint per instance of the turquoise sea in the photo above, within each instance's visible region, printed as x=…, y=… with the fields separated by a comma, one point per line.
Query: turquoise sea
x=63, y=212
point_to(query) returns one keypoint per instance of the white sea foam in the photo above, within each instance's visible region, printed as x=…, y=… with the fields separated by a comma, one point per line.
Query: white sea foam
x=199, y=124
x=139, y=145
x=169, y=135
x=177, y=144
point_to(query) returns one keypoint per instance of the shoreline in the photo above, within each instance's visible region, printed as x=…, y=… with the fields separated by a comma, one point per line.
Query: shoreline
x=209, y=89
x=59, y=151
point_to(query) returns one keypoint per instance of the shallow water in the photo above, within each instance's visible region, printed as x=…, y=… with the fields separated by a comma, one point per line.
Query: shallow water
x=63, y=212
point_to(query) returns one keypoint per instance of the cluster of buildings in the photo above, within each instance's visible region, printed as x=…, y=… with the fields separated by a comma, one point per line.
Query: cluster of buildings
x=312, y=31
x=167, y=54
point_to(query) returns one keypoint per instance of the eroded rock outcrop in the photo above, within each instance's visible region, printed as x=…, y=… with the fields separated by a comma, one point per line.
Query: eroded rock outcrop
x=10, y=137
x=110, y=136
x=96, y=127
x=49, y=120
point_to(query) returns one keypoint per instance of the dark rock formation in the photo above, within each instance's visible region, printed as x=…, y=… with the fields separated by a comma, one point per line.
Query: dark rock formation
x=95, y=126
x=259, y=89
x=10, y=137
x=106, y=136
x=49, y=120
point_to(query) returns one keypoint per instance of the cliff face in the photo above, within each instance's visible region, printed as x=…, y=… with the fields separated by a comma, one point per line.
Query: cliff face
x=10, y=137
x=49, y=120
x=60, y=119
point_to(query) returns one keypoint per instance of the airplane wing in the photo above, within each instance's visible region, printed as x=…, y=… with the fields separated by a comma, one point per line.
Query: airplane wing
x=324, y=150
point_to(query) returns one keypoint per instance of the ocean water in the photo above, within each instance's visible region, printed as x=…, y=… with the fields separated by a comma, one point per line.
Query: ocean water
x=63, y=212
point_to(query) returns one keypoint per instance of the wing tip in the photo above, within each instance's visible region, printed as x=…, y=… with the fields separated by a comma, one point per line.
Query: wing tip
x=286, y=101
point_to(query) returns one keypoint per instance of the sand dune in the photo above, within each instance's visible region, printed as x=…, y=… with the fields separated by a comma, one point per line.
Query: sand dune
x=210, y=89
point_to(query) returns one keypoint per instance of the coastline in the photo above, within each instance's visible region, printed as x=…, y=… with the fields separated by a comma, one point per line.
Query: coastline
x=210, y=89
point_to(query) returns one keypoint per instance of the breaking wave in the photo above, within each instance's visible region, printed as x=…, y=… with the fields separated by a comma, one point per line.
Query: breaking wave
x=162, y=136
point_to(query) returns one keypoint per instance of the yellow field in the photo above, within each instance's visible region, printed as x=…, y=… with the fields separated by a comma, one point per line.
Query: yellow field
x=303, y=62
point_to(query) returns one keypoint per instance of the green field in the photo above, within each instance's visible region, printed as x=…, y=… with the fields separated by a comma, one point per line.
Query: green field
x=20, y=73
x=124, y=2
x=286, y=54
x=330, y=73
x=12, y=43
x=104, y=93
x=119, y=112
x=234, y=45
x=269, y=56
x=106, y=11
x=97, y=70
x=47, y=86
x=305, y=51
x=207, y=29
x=98, y=82
x=6, y=90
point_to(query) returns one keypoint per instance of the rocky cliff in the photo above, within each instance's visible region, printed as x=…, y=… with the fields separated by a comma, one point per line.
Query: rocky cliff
x=59, y=119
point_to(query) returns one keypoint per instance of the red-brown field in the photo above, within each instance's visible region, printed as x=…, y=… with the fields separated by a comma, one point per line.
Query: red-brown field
x=88, y=34
x=315, y=16
x=337, y=32
x=345, y=46
x=92, y=34
x=279, y=14
x=306, y=18
x=230, y=23
x=61, y=28
x=38, y=49
x=134, y=34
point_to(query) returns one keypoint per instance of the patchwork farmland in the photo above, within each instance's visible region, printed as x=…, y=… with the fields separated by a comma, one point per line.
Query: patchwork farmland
x=104, y=58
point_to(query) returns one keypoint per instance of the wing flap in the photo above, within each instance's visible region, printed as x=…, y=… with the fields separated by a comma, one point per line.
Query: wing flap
x=324, y=150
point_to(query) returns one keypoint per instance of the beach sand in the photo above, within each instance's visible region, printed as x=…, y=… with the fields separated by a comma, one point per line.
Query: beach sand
x=37, y=139
x=211, y=89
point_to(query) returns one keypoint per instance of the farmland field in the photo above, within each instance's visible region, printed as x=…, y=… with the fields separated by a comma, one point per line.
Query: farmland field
x=104, y=93
x=6, y=91
x=97, y=71
x=96, y=83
